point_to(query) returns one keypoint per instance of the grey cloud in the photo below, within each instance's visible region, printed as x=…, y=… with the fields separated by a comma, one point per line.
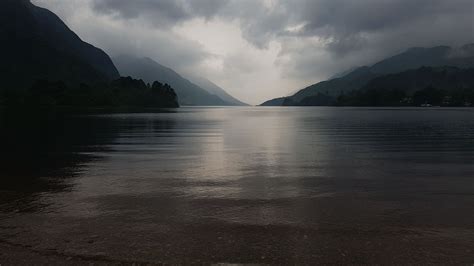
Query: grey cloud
x=362, y=32
x=317, y=37
x=240, y=63
x=343, y=24
x=206, y=8
x=347, y=23
x=161, y=13
x=258, y=24
x=347, y=16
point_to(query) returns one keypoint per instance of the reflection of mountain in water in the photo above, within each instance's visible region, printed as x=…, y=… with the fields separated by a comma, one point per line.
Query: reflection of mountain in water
x=41, y=153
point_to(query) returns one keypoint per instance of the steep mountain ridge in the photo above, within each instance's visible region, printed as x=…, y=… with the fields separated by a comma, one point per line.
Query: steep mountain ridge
x=36, y=44
x=213, y=88
x=150, y=70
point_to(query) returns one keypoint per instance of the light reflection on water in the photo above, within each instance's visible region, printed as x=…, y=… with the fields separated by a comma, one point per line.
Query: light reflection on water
x=222, y=169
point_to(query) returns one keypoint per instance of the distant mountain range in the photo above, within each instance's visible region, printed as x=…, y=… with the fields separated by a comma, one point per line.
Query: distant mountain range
x=188, y=92
x=37, y=48
x=326, y=92
x=46, y=65
x=43, y=61
x=212, y=88
x=36, y=44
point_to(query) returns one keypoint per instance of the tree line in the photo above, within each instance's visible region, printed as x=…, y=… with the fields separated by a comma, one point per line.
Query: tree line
x=123, y=92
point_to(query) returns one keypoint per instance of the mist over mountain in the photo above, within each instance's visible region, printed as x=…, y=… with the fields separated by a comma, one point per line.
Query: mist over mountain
x=413, y=58
x=36, y=44
x=149, y=70
x=212, y=88
x=343, y=73
x=418, y=57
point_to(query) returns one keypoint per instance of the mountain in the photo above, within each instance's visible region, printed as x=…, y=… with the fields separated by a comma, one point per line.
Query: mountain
x=212, y=88
x=35, y=44
x=343, y=73
x=45, y=64
x=335, y=87
x=417, y=57
x=446, y=78
x=149, y=70
x=413, y=58
x=274, y=102
x=450, y=86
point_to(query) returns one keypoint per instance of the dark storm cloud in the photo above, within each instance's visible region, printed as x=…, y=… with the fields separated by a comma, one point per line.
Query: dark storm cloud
x=343, y=24
x=348, y=16
x=361, y=32
x=206, y=8
x=348, y=24
x=159, y=12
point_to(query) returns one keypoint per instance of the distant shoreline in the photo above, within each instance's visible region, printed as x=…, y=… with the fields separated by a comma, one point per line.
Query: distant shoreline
x=70, y=109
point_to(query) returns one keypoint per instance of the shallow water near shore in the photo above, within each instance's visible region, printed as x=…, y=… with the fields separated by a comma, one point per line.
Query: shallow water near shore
x=241, y=185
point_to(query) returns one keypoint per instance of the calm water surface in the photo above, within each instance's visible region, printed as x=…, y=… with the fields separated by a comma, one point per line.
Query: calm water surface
x=241, y=185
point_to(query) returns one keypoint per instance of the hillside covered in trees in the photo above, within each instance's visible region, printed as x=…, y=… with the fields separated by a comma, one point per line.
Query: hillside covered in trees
x=445, y=86
x=189, y=93
x=45, y=64
x=442, y=67
x=35, y=44
x=123, y=92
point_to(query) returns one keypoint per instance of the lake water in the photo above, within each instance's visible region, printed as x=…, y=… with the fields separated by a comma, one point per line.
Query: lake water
x=240, y=185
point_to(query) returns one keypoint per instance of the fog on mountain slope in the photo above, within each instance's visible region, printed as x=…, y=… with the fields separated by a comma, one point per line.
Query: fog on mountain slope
x=212, y=88
x=149, y=70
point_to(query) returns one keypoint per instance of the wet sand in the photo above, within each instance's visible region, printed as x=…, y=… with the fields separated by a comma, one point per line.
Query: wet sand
x=214, y=244
x=376, y=234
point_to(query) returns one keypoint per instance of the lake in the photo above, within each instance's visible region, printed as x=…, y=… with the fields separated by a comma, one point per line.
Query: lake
x=239, y=185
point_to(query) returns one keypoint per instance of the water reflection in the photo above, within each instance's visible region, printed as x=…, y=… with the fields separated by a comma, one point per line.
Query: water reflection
x=39, y=154
x=301, y=184
x=43, y=152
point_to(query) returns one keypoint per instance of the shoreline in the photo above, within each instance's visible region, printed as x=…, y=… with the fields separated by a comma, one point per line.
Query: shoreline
x=233, y=244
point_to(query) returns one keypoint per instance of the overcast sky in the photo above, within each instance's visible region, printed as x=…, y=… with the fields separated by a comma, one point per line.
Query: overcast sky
x=261, y=49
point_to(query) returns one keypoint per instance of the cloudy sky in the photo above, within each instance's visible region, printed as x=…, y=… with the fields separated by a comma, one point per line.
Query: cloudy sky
x=260, y=49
